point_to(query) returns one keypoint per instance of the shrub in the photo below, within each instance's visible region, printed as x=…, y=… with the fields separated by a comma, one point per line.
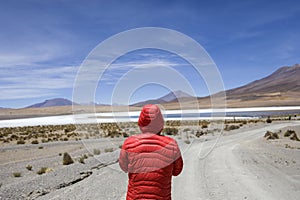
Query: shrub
x=231, y=127
x=85, y=156
x=20, y=142
x=170, y=131
x=271, y=136
x=40, y=147
x=45, y=140
x=268, y=133
x=5, y=141
x=269, y=120
x=200, y=133
x=17, y=174
x=294, y=137
x=288, y=146
x=42, y=171
x=34, y=142
x=108, y=150
x=125, y=135
x=204, y=126
x=29, y=167
x=81, y=160
x=67, y=159
x=187, y=141
x=97, y=151
x=288, y=133
x=275, y=136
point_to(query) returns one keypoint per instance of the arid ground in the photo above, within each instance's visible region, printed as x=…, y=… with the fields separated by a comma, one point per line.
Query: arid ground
x=238, y=164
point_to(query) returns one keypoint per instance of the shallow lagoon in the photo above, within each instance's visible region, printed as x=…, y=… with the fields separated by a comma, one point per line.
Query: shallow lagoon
x=201, y=114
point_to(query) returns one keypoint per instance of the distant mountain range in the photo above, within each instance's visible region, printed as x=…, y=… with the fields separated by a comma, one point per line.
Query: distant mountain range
x=59, y=102
x=278, y=89
x=51, y=103
x=281, y=88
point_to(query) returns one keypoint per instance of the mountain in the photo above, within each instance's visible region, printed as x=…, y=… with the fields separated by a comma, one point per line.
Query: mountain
x=170, y=97
x=174, y=96
x=281, y=88
x=51, y=103
x=285, y=79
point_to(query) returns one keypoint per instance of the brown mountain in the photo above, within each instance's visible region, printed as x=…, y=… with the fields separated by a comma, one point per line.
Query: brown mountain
x=278, y=89
x=285, y=79
x=281, y=88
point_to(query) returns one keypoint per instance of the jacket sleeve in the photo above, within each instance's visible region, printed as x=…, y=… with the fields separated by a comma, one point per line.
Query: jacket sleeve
x=123, y=159
x=178, y=163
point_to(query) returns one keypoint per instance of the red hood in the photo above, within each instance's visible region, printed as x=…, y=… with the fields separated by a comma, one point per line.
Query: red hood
x=151, y=119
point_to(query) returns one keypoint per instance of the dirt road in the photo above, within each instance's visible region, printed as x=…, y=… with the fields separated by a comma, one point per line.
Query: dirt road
x=241, y=166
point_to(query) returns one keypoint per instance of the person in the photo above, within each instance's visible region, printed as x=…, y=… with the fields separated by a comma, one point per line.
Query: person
x=150, y=159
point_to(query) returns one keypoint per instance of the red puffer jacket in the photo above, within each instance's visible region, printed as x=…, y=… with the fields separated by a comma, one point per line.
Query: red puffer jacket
x=150, y=158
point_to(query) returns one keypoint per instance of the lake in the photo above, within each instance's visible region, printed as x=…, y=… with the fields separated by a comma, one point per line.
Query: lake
x=201, y=114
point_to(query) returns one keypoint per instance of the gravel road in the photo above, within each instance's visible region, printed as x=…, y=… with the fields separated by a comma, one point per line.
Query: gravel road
x=241, y=166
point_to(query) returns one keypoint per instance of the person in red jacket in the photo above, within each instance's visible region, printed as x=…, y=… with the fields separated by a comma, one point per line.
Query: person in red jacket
x=150, y=159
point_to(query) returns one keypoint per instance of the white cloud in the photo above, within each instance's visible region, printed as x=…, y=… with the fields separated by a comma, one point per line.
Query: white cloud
x=147, y=64
x=35, y=82
x=23, y=93
x=92, y=68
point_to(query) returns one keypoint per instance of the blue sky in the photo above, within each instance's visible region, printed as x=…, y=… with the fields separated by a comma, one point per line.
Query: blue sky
x=43, y=43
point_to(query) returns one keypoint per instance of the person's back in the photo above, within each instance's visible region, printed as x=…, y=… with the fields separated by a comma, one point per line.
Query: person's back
x=150, y=158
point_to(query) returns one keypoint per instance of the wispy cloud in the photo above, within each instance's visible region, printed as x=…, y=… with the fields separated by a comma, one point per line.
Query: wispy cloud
x=25, y=93
x=24, y=82
x=141, y=61
x=94, y=67
x=41, y=41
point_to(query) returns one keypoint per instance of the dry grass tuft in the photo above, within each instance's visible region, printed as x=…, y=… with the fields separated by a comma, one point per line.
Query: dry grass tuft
x=20, y=142
x=96, y=151
x=29, y=167
x=271, y=136
x=107, y=150
x=17, y=174
x=231, y=127
x=288, y=133
x=187, y=141
x=43, y=170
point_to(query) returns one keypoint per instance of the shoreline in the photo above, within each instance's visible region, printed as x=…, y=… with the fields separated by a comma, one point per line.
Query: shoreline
x=132, y=116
